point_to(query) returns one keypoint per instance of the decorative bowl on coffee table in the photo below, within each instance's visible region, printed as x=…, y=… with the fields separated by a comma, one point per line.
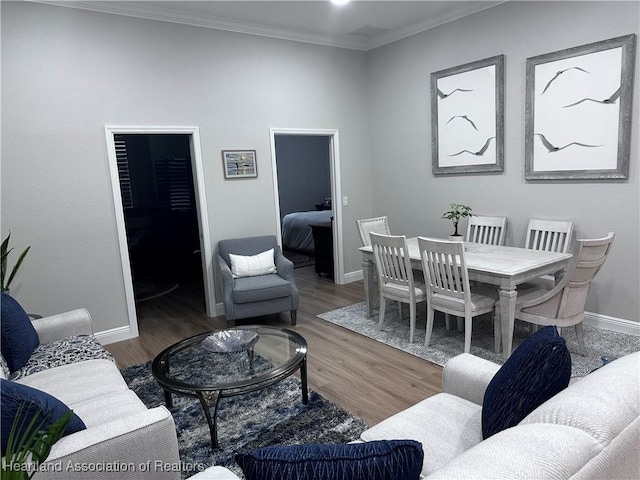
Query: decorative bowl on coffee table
x=229, y=341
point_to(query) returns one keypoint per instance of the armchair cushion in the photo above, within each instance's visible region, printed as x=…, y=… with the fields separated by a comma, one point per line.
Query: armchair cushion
x=19, y=338
x=536, y=371
x=378, y=460
x=263, y=287
x=51, y=409
x=252, y=265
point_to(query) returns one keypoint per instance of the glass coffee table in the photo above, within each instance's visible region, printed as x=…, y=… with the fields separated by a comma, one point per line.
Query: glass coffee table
x=215, y=370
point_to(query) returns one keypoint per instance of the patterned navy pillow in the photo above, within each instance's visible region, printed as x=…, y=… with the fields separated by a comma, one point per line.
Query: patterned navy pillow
x=19, y=338
x=379, y=460
x=537, y=370
x=51, y=409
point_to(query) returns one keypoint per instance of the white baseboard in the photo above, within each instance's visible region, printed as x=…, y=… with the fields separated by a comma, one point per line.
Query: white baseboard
x=114, y=335
x=353, y=276
x=611, y=323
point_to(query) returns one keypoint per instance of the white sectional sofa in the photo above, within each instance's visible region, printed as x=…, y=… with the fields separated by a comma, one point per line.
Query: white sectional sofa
x=590, y=430
x=123, y=438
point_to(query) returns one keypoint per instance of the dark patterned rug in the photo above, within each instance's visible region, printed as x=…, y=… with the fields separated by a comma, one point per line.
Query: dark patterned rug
x=299, y=259
x=448, y=343
x=274, y=415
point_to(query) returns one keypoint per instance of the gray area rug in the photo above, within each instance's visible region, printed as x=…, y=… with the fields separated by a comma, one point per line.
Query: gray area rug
x=274, y=415
x=448, y=343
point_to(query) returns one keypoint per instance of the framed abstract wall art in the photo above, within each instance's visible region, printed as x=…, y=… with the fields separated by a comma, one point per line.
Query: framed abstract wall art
x=467, y=118
x=578, y=111
x=239, y=163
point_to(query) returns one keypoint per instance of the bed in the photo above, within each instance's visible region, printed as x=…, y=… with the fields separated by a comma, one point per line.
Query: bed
x=296, y=232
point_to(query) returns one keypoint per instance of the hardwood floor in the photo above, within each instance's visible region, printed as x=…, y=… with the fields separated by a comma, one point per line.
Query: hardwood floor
x=365, y=377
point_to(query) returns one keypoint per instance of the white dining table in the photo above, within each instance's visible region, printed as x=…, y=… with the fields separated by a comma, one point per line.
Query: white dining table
x=505, y=267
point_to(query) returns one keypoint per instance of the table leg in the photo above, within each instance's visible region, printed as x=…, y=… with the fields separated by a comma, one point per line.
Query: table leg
x=507, y=318
x=168, y=401
x=370, y=291
x=205, y=398
x=303, y=381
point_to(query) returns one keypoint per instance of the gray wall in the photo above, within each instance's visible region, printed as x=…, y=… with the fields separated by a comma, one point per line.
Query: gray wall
x=66, y=73
x=399, y=80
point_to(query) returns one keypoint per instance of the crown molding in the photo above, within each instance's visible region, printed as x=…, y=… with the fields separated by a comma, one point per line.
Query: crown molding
x=132, y=9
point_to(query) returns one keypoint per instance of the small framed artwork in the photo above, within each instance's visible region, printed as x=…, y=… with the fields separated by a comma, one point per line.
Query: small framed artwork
x=239, y=163
x=467, y=118
x=578, y=112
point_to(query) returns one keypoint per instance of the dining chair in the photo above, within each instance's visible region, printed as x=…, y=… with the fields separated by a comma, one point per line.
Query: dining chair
x=487, y=230
x=368, y=225
x=548, y=236
x=395, y=276
x=448, y=289
x=563, y=305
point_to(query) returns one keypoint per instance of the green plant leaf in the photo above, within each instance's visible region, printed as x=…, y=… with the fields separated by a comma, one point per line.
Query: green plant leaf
x=15, y=268
x=4, y=256
x=33, y=445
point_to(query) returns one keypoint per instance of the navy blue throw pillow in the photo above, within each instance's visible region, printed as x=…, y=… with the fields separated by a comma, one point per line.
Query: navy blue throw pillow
x=19, y=338
x=14, y=394
x=536, y=371
x=379, y=460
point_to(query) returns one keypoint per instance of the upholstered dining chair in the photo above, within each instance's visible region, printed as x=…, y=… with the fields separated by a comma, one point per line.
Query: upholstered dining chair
x=395, y=276
x=548, y=236
x=256, y=281
x=368, y=225
x=563, y=305
x=448, y=288
x=487, y=230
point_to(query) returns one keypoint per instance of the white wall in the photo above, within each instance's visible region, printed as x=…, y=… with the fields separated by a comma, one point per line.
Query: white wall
x=66, y=73
x=404, y=186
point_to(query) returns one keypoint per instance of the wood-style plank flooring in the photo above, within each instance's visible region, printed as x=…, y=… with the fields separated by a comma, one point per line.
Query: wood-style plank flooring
x=365, y=377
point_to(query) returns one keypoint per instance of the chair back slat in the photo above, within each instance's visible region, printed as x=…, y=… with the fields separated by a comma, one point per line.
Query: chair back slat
x=372, y=225
x=549, y=235
x=486, y=230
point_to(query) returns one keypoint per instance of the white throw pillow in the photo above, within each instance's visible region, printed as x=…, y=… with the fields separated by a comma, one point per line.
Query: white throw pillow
x=252, y=265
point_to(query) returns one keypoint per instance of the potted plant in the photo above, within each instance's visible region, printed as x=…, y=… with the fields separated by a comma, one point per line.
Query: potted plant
x=455, y=213
x=4, y=254
x=30, y=442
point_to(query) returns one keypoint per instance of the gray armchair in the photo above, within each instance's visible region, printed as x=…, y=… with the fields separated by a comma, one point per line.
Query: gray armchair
x=246, y=297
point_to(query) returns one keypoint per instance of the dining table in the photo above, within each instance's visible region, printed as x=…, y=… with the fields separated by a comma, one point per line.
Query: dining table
x=501, y=266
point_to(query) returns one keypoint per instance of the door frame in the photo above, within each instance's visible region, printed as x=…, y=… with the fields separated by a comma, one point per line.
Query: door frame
x=336, y=191
x=201, y=207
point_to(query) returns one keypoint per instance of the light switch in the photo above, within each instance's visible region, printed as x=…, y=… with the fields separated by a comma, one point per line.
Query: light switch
x=345, y=201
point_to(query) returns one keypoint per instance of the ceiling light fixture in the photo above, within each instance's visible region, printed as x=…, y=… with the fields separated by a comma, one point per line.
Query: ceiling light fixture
x=340, y=2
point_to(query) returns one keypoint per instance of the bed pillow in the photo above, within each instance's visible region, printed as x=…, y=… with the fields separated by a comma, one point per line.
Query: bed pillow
x=377, y=460
x=19, y=338
x=253, y=265
x=536, y=371
x=51, y=409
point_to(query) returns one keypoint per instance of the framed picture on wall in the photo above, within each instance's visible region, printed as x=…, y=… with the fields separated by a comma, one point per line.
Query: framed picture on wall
x=239, y=163
x=578, y=111
x=467, y=118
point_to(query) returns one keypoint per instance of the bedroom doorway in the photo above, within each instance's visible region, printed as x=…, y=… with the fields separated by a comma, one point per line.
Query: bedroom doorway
x=160, y=213
x=306, y=187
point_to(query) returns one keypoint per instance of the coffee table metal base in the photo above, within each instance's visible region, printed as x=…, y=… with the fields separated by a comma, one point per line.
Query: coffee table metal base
x=210, y=399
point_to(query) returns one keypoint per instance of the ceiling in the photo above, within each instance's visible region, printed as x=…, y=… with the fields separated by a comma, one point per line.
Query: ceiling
x=359, y=25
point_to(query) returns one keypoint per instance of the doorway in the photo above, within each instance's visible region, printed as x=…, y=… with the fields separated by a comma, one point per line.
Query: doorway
x=160, y=212
x=307, y=192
